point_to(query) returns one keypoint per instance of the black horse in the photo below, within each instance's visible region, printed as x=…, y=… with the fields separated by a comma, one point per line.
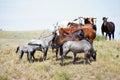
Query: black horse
x=108, y=28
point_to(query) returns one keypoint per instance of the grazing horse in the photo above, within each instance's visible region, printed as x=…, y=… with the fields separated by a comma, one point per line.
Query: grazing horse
x=88, y=31
x=108, y=28
x=78, y=47
x=59, y=40
x=30, y=50
x=44, y=43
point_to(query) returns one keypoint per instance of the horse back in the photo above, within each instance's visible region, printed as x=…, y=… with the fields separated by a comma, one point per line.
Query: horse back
x=78, y=46
x=110, y=26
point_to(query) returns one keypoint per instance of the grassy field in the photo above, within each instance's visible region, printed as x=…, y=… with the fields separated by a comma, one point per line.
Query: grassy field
x=107, y=66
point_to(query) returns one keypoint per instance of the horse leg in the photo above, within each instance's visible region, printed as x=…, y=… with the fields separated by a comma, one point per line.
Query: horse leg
x=29, y=56
x=57, y=54
x=45, y=54
x=106, y=36
x=62, y=57
x=52, y=50
x=61, y=50
x=21, y=55
x=86, y=58
x=102, y=33
x=109, y=36
x=113, y=35
x=32, y=54
x=74, y=58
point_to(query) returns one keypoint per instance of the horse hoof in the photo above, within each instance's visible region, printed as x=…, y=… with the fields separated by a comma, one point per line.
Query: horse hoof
x=74, y=62
x=61, y=64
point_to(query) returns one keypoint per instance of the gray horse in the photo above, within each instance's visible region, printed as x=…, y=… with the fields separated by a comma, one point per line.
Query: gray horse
x=44, y=43
x=30, y=50
x=78, y=47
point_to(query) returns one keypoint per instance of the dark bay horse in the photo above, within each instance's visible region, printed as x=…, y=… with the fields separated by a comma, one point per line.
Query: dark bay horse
x=89, y=32
x=108, y=28
x=59, y=40
x=78, y=47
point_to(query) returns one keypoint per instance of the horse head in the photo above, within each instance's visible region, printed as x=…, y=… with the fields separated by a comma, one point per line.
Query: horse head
x=105, y=21
x=93, y=54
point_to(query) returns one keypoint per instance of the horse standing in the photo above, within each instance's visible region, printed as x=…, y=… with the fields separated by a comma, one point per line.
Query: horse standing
x=108, y=28
x=59, y=40
x=30, y=50
x=89, y=32
x=44, y=43
x=78, y=47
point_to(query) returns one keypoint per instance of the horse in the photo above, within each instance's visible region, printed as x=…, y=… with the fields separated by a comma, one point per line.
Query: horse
x=59, y=40
x=108, y=28
x=91, y=21
x=89, y=32
x=44, y=43
x=78, y=47
x=76, y=22
x=30, y=50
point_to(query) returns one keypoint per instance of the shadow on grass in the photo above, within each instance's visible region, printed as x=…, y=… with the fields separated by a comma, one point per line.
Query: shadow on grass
x=79, y=60
x=40, y=59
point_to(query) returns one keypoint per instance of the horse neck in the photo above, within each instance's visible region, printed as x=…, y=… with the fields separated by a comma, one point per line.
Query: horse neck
x=49, y=38
x=104, y=22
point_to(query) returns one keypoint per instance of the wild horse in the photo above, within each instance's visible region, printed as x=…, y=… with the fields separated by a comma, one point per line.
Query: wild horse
x=30, y=50
x=108, y=28
x=59, y=40
x=78, y=47
x=89, y=32
x=44, y=43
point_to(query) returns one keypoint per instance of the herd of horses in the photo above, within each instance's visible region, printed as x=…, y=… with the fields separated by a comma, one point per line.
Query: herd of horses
x=75, y=37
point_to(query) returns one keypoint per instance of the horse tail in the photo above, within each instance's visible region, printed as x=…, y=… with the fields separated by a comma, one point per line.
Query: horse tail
x=17, y=49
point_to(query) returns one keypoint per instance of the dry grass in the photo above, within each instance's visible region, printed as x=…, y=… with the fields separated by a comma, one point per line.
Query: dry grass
x=107, y=66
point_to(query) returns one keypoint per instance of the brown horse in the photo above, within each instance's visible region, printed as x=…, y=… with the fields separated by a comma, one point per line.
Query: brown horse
x=89, y=32
x=108, y=28
x=59, y=40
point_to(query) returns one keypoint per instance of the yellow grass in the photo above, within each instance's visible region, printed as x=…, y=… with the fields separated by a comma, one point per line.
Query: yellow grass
x=107, y=66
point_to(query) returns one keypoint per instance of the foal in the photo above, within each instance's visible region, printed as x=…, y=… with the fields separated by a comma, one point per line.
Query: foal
x=30, y=50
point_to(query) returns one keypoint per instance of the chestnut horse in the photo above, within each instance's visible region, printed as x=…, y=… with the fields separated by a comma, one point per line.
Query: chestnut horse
x=108, y=28
x=89, y=32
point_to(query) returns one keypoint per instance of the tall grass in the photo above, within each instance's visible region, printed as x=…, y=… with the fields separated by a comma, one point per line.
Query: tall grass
x=105, y=68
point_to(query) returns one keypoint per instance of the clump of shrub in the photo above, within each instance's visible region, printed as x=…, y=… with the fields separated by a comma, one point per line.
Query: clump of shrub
x=100, y=38
x=3, y=78
x=63, y=75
